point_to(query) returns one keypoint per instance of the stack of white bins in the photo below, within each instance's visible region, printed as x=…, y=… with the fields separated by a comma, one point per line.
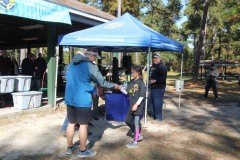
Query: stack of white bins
x=23, y=98
x=22, y=83
x=6, y=84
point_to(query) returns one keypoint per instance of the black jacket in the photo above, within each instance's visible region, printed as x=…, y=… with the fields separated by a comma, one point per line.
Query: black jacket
x=159, y=73
x=27, y=67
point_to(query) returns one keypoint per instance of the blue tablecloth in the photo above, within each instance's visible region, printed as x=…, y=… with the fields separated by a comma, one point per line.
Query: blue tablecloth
x=116, y=106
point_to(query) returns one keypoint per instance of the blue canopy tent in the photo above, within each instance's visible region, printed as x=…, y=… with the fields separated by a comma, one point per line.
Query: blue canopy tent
x=124, y=34
x=35, y=9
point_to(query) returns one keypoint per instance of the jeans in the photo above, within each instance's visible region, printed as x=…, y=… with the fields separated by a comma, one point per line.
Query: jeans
x=157, y=102
x=65, y=124
x=95, y=106
x=213, y=85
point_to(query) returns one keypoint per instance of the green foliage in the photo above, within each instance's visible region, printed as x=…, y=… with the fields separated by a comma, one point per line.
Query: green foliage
x=171, y=60
x=161, y=17
x=188, y=59
x=111, y=7
x=94, y=3
x=222, y=29
x=35, y=51
x=106, y=62
x=222, y=33
x=139, y=58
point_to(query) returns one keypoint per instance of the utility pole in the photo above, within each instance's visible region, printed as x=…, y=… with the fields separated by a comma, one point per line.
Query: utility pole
x=119, y=15
x=119, y=8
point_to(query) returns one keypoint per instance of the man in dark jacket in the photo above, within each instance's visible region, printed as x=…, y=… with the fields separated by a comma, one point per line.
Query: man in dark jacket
x=158, y=76
x=5, y=63
x=40, y=66
x=27, y=65
x=211, y=81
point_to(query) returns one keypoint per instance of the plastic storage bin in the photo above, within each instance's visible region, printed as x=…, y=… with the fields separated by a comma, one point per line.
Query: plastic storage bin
x=116, y=106
x=22, y=83
x=25, y=100
x=7, y=84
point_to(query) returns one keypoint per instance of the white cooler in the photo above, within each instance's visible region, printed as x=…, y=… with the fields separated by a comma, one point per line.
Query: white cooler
x=7, y=84
x=22, y=83
x=25, y=100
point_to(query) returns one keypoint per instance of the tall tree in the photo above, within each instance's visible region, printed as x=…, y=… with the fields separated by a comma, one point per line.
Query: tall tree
x=111, y=6
x=201, y=40
x=221, y=29
x=161, y=17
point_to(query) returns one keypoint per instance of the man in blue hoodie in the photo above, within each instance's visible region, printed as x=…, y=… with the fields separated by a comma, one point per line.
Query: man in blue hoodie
x=81, y=76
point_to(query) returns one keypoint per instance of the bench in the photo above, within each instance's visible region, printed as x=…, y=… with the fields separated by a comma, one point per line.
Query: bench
x=237, y=76
x=228, y=77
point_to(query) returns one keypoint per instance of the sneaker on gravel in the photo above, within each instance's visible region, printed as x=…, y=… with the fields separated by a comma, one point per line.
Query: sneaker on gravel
x=130, y=133
x=87, y=153
x=133, y=144
x=70, y=150
x=140, y=138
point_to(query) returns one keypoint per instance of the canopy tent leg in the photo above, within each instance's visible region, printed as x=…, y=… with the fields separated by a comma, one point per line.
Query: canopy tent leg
x=179, y=98
x=147, y=84
x=56, y=76
x=181, y=67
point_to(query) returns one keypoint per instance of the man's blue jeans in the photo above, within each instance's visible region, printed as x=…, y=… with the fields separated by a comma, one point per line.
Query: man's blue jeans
x=157, y=102
x=65, y=124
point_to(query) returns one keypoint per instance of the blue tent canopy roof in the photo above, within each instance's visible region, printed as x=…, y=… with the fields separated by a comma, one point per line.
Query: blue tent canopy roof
x=35, y=9
x=125, y=33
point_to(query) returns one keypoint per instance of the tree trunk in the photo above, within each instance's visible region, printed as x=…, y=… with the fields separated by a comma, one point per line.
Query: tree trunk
x=204, y=42
x=219, y=48
x=195, y=42
x=201, y=41
x=213, y=41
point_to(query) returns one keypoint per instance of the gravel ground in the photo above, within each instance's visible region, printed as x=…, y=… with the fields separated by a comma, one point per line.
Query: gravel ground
x=200, y=129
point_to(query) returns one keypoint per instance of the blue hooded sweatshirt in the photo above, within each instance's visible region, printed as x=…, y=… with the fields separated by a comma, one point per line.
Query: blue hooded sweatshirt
x=81, y=75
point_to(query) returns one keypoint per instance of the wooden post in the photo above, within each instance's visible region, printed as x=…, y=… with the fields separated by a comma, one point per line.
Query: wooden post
x=51, y=63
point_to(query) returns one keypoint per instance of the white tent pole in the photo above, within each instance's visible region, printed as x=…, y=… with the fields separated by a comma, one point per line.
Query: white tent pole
x=146, y=100
x=119, y=8
x=55, y=88
x=179, y=99
x=111, y=63
x=181, y=67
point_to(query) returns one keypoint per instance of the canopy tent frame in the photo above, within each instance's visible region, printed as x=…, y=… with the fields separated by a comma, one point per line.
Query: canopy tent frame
x=122, y=38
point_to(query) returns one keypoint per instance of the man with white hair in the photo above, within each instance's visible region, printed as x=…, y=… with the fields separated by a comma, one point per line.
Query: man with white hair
x=81, y=75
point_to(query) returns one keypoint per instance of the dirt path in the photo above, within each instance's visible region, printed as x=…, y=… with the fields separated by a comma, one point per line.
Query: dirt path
x=201, y=129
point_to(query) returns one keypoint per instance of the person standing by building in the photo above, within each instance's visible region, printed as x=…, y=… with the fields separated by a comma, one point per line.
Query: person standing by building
x=15, y=67
x=81, y=75
x=136, y=90
x=158, y=76
x=211, y=81
x=40, y=66
x=28, y=65
x=5, y=63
